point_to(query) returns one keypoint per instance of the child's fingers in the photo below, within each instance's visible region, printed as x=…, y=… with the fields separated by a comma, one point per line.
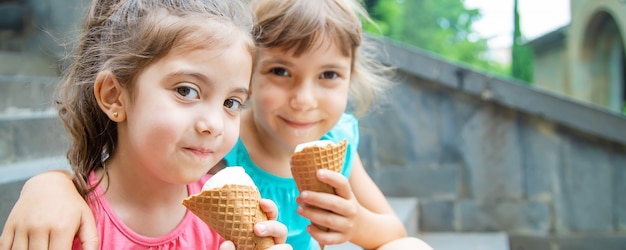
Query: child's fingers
x=271, y=228
x=6, y=239
x=336, y=180
x=329, y=202
x=269, y=208
x=87, y=232
x=325, y=237
x=227, y=245
x=38, y=239
x=62, y=240
x=324, y=218
x=20, y=240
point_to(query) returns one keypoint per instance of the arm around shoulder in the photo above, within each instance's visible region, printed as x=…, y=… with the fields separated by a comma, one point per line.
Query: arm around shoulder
x=66, y=214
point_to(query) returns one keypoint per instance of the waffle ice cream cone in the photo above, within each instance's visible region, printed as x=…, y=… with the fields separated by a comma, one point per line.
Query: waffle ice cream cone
x=231, y=209
x=310, y=157
x=313, y=156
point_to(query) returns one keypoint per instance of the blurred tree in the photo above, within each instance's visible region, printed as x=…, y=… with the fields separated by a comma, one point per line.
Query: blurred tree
x=443, y=27
x=521, y=54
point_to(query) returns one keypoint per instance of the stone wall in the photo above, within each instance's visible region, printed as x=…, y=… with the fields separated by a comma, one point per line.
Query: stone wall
x=487, y=154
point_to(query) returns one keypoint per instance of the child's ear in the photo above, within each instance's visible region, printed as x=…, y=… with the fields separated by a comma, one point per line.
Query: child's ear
x=109, y=94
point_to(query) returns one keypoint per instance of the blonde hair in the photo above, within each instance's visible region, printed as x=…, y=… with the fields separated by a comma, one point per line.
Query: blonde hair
x=124, y=37
x=299, y=25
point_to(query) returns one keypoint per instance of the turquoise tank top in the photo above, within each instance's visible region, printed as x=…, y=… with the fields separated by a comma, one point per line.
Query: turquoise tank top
x=283, y=191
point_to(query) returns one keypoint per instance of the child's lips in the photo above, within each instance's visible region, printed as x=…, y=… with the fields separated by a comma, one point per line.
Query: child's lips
x=200, y=152
x=299, y=124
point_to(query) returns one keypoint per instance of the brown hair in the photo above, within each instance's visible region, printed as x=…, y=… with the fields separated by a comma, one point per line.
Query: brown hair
x=300, y=25
x=125, y=36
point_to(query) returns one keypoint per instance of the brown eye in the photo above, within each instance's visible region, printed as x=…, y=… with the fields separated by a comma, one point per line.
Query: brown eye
x=279, y=72
x=329, y=75
x=187, y=92
x=232, y=104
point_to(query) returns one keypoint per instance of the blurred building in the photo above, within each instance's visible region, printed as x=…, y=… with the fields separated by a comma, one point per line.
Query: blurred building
x=585, y=59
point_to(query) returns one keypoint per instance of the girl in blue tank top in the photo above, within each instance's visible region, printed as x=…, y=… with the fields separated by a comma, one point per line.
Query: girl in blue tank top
x=309, y=61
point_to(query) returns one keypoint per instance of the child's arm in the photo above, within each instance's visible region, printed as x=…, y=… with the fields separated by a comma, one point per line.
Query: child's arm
x=358, y=213
x=48, y=214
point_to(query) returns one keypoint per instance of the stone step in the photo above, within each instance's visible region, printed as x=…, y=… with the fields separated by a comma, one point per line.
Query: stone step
x=30, y=136
x=466, y=241
x=28, y=64
x=576, y=241
x=25, y=94
x=451, y=241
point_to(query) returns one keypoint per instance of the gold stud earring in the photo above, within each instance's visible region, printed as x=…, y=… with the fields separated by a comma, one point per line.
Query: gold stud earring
x=115, y=114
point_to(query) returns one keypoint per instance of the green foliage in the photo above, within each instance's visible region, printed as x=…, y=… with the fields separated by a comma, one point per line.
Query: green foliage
x=388, y=16
x=521, y=54
x=443, y=27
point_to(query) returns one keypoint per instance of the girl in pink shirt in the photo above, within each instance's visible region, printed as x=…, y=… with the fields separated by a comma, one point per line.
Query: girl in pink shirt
x=152, y=101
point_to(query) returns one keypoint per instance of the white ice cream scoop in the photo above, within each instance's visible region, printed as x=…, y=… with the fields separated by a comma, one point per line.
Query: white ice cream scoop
x=229, y=175
x=320, y=143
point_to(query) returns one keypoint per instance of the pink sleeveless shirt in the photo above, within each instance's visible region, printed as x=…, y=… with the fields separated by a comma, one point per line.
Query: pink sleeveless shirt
x=191, y=233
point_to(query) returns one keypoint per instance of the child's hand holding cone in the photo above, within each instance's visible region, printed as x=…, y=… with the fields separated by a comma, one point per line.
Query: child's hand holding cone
x=231, y=209
x=311, y=157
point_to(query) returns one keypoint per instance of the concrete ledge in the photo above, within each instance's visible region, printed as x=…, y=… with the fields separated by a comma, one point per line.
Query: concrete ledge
x=511, y=93
x=26, y=93
x=36, y=135
x=25, y=65
x=467, y=241
x=606, y=241
x=23, y=170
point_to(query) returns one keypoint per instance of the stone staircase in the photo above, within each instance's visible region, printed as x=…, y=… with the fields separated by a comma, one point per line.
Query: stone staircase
x=32, y=139
x=29, y=127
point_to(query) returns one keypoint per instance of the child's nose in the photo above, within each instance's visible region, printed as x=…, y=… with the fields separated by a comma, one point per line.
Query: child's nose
x=211, y=123
x=303, y=98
